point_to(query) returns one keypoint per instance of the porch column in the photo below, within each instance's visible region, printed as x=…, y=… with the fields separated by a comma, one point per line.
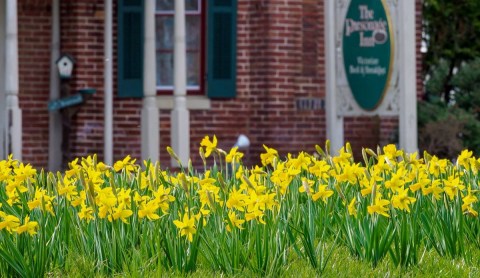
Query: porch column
x=108, y=85
x=14, y=117
x=180, y=130
x=3, y=110
x=150, y=121
x=334, y=122
x=55, y=127
x=408, y=77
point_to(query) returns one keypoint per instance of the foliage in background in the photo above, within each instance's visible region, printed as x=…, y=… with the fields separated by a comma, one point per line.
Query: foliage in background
x=451, y=32
x=446, y=128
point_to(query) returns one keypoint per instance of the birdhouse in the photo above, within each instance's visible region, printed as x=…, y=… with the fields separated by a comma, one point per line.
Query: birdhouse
x=65, y=66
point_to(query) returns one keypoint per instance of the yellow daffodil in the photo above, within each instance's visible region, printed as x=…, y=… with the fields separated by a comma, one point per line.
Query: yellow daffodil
x=9, y=223
x=434, y=189
x=127, y=164
x=467, y=203
x=351, y=173
x=186, y=226
x=320, y=169
x=67, y=188
x=233, y=155
x=391, y=152
x=397, y=181
x=255, y=214
x=306, y=186
x=106, y=197
x=124, y=197
x=163, y=198
x=42, y=201
x=421, y=182
x=343, y=157
x=210, y=146
x=352, y=209
x=464, y=159
x=149, y=210
x=80, y=199
x=14, y=185
x=236, y=200
x=234, y=221
x=437, y=166
x=5, y=170
x=268, y=157
x=120, y=213
x=24, y=172
x=401, y=200
x=453, y=186
x=322, y=193
x=28, y=226
x=74, y=168
x=302, y=161
x=367, y=185
x=86, y=213
x=379, y=206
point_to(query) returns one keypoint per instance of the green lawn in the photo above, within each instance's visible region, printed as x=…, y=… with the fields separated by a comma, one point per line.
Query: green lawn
x=341, y=264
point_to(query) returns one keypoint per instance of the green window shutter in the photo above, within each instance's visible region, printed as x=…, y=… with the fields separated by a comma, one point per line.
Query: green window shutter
x=130, y=48
x=221, y=48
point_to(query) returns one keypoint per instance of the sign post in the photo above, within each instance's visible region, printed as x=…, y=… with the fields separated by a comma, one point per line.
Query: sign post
x=371, y=66
x=408, y=88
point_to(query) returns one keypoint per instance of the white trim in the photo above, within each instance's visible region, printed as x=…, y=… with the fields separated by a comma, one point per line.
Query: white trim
x=108, y=84
x=187, y=12
x=55, y=126
x=408, y=78
x=180, y=129
x=170, y=88
x=334, y=121
x=3, y=108
x=193, y=103
x=191, y=12
x=14, y=138
x=150, y=126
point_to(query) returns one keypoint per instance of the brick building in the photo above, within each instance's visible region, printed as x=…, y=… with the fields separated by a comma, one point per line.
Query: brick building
x=275, y=95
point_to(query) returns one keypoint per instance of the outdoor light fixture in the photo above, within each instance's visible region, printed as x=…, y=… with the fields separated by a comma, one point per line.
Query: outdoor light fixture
x=65, y=66
x=242, y=142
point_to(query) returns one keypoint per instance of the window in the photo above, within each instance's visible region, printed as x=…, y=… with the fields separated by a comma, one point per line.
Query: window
x=194, y=25
x=211, y=32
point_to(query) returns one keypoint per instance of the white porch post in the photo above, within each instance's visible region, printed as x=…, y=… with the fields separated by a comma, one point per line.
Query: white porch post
x=55, y=128
x=408, y=89
x=3, y=111
x=14, y=138
x=108, y=85
x=180, y=130
x=334, y=122
x=150, y=121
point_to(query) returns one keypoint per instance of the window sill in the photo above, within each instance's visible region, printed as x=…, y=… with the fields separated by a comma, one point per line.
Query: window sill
x=193, y=103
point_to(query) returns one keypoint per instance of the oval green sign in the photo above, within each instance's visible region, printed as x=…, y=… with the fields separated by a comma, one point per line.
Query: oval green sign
x=367, y=51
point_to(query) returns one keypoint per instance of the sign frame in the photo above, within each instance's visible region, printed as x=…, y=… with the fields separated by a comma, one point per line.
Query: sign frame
x=346, y=104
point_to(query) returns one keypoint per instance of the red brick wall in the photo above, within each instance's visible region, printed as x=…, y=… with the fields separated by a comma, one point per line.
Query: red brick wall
x=280, y=60
x=34, y=19
x=82, y=37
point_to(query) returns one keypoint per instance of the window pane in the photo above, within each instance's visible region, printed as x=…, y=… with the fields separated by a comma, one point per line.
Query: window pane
x=164, y=69
x=193, y=69
x=164, y=5
x=168, y=5
x=165, y=44
x=191, y=5
x=164, y=32
x=193, y=32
